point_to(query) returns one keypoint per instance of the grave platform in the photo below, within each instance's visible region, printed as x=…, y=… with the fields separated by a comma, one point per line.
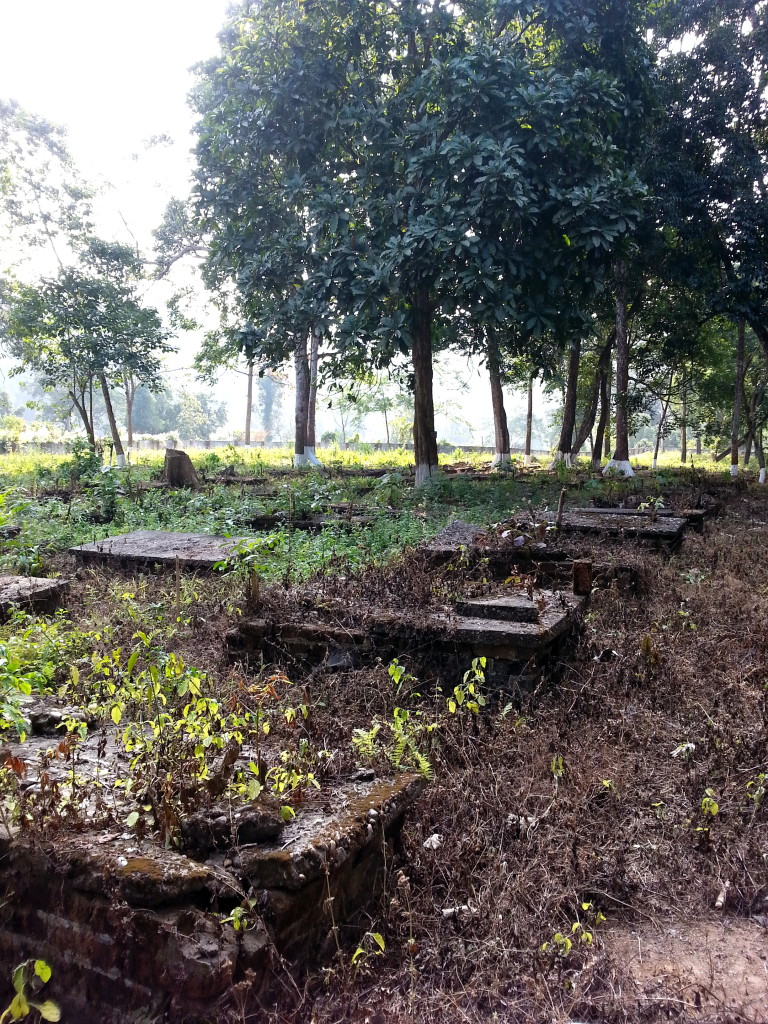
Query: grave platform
x=464, y=541
x=662, y=530
x=512, y=628
x=135, y=932
x=157, y=547
x=32, y=593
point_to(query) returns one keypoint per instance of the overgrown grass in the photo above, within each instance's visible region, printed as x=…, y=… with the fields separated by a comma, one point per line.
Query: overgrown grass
x=630, y=785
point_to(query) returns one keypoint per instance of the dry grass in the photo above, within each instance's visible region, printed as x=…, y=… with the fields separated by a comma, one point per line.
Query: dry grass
x=622, y=828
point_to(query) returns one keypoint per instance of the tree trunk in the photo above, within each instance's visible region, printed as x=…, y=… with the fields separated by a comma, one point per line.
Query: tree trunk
x=660, y=431
x=620, y=460
x=607, y=432
x=119, y=452
x=588, y=420
x=736, y=422
x=529, y=422
x=386, y=426
x=314, y=358
x=79, y=404
x=760, y=452
x=684, y=423
x=750, y=412
x=424, y=435
x=249, y=403
x=301, y=365
x=747, y=450
x=502, y=456
x=178, y=470
x=605, y=410
x=565, y=444
x=130, y=395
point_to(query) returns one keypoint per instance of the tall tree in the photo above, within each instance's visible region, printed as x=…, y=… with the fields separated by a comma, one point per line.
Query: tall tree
x=711, y=172
x=440, y=160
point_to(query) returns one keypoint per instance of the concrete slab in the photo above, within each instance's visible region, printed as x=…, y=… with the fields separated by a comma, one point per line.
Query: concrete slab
x=156, y=547
x=693, y=516
x=391, y=633
x=508, y=607
x=497, y=638
x=666, y=530
x=30, y=592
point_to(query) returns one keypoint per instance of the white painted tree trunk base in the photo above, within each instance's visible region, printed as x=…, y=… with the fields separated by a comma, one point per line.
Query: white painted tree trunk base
x=121, y=462
x=526, y=460
x=761, y=477
x=424, y=473
x=300, y=460
x=311, y=457
x=501, y=459
x=734, y=470
x=565, y=457
x=622, y=466
x=654, y=464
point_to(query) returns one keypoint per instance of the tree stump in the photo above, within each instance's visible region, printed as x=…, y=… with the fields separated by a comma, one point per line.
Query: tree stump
x=178, y=470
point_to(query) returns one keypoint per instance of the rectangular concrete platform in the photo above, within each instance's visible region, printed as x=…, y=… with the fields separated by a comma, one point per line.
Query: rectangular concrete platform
x=665, y=530
x=156, y=547
x=30, y=592
x=484, y=633
x=510, y=608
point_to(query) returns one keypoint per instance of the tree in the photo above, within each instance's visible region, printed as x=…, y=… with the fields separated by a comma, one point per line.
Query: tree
x=42, y=199
x=198, y=415
x=86, y=329
x=712, y=169
x=396, y=196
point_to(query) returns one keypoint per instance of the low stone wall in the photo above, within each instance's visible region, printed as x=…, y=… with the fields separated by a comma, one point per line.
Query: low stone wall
x=134, y=932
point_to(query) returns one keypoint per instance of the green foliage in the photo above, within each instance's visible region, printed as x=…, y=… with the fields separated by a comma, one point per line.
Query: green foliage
x=467, y=695
x=28, y=979
x=87, y=329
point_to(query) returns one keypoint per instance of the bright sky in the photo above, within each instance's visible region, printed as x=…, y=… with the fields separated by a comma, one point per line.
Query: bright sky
x=114, y=74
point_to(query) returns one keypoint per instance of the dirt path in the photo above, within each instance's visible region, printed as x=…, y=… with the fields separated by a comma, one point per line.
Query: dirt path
x=712, y=970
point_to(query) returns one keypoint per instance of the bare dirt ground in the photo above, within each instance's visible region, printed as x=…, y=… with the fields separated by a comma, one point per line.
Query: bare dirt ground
x=715, y=968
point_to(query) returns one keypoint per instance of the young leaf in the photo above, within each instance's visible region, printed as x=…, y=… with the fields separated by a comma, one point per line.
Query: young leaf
x=48, y=1010
x=42, y=970
x=19, y=1007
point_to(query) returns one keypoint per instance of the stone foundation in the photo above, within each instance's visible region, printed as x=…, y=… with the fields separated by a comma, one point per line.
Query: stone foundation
x=135, y=933
x=158, y=547
x=31, y=593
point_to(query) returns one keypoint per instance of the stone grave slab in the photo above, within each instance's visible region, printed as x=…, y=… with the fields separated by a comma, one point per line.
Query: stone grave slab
x=663, y=530
x=135, y=931
x=157, y=547
x=30, y=592
x=507, y=628
x=492, y=634
x=694, y=517
x=509, y=607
